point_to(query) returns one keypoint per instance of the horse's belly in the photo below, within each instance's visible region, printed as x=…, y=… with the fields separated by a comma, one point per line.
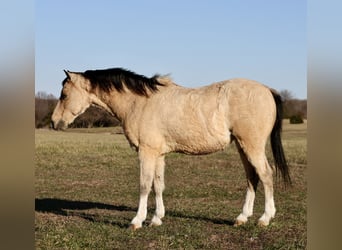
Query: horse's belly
x=200, y=143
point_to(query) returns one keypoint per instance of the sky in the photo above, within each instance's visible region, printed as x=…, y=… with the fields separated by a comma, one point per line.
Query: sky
x=197, y=42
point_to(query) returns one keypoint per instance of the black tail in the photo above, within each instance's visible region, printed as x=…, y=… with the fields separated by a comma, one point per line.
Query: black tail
x=277, y=147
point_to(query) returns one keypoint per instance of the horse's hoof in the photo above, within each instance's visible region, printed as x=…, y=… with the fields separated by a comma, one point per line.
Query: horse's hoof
x=239, y=223
x=134, y=227
x=155, y=222
x=262, y=223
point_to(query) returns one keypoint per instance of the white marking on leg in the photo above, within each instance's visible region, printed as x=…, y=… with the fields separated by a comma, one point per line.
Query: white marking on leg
x=267, y=180
x=269, y=206
x=249, y=204
x=142, y=212
x=252, y=183
x=247, y=209
x=147, y=167
x=159, y=188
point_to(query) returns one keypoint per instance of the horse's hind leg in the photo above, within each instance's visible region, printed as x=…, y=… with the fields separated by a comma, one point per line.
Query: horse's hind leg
x=265, y=173
x=252, y=183
x=158, y=183
x=147, y=171
x=255, y=153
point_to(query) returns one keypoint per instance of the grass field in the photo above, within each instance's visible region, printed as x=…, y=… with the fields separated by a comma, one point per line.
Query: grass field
x=87, y=190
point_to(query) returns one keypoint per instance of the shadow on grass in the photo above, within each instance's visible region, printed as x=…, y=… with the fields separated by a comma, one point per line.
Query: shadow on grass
x=72, y=208
x=63, y=207
x=57, y=205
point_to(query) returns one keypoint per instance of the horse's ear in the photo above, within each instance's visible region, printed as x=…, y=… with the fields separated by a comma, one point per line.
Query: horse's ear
x=71, y=75
x=67, y=73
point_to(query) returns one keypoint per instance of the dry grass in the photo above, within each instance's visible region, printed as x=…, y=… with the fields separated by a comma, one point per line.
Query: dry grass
x=87, y=193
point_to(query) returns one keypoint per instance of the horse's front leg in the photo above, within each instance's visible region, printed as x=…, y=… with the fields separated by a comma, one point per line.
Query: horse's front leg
x=147, y=171
x=158, y=183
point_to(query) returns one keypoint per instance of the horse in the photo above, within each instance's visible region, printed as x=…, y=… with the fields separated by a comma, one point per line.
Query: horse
x=158, y=117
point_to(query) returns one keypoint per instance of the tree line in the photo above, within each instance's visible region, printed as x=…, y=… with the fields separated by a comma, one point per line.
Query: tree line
x=293, y=108
x=96, y=117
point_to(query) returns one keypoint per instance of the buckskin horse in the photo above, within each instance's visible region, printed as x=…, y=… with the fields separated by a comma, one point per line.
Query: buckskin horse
x=159, y=117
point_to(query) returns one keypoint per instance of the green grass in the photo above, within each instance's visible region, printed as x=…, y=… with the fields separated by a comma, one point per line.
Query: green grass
x=87, y=183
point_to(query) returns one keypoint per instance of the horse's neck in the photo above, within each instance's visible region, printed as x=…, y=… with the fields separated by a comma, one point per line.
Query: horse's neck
x=118, y=104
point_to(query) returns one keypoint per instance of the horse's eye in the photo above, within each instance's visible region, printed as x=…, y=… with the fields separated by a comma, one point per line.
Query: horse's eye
x=63, y=96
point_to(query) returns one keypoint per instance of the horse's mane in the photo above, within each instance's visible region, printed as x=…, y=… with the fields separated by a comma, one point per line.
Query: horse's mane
x=117, y=78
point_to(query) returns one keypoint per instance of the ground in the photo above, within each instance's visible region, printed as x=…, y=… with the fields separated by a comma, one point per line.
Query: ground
x=87, y=190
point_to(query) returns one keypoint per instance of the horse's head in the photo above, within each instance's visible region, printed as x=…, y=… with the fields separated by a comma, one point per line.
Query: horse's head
x=74, y=100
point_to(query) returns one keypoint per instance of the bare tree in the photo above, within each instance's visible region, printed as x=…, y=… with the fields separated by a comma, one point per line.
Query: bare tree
x=44, y=105
x=293, y=106
x=286, y=95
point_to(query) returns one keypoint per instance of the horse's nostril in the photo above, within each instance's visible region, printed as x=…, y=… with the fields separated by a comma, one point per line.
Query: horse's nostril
x=60, y=125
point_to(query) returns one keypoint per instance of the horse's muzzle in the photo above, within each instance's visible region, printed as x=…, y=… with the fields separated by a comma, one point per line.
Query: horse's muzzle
x=61, y=125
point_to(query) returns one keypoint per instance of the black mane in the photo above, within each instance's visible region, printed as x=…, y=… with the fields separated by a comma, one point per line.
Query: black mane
x=117, y=78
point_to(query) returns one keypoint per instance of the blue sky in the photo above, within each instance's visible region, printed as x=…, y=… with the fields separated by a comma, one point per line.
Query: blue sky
x=197, y=42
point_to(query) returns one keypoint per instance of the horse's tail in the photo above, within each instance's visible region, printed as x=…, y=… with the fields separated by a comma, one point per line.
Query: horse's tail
x=277, y=147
